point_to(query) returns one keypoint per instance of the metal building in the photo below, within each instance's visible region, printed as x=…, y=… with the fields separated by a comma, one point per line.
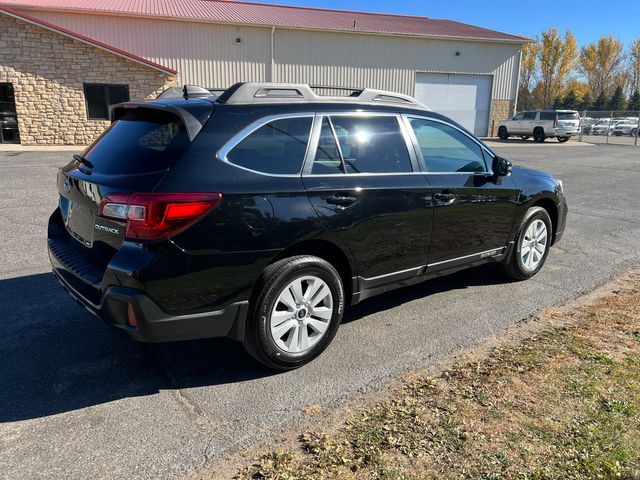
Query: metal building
x=466, y=72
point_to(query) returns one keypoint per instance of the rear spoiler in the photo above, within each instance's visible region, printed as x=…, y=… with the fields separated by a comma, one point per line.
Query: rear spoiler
x=193, y=121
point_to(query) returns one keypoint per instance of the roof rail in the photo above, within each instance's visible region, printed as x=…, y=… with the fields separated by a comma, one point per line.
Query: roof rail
x=266, y=92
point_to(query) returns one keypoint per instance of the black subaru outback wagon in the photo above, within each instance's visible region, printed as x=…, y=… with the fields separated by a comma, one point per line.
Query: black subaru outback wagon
x=261, y=215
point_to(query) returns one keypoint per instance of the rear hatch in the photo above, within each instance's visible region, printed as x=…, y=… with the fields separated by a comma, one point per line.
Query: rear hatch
x=568, y=119
x=134, y=154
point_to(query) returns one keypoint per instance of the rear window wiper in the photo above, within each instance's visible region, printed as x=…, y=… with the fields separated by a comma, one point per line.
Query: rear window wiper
x=82, y=160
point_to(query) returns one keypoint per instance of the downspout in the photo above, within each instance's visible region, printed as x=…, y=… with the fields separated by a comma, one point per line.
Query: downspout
x=273, y=53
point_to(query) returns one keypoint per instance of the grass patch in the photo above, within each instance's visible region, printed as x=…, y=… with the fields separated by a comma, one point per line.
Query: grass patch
x=563, y=404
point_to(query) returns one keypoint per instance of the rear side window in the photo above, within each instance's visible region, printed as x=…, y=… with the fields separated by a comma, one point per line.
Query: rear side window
x=277, y=147
x=372, y=144
x=327, y=159
x=547, y=116
x=568, y=116
x=447, y=150
x=141, y=141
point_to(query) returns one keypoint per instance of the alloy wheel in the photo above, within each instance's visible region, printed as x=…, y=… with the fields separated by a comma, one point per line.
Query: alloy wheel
x=534, y=244
x=301, y=314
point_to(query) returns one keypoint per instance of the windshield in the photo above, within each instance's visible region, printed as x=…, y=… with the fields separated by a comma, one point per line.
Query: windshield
x=141, y=141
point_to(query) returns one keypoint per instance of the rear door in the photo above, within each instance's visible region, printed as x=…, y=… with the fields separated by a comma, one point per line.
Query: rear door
x=473, y=209
x=362, y=178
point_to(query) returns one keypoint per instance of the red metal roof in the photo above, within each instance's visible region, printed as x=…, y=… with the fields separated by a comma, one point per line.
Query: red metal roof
x=276, y=15
x=82, y=38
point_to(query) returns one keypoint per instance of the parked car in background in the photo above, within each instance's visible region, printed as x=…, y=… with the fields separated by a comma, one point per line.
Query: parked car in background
x=261, y=215
x=625, y=127
x=541, y=124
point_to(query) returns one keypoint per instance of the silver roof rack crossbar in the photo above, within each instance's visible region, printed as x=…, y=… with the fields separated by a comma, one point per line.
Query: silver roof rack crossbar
x=264, y=92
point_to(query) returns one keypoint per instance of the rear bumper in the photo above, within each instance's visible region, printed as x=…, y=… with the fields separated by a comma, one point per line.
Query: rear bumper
x=566, y=132
x=153, y=324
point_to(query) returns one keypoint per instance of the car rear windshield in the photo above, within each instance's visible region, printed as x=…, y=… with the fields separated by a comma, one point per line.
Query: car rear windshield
x=141, y=141
x=568, y=116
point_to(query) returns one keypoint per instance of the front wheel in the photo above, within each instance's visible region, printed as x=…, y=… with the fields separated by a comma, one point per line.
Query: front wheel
x=294, y=312
x=531, y=245
x=503, y=134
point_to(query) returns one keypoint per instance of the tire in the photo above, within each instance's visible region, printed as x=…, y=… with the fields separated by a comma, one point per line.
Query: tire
x=524, y=137
x=503, y=134
x=563, y=139
x=288, y=351
x=633, y=132
x=538, y=135
x=521, y=266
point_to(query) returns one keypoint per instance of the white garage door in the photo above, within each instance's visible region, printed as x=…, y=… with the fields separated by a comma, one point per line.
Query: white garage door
x=464, y=98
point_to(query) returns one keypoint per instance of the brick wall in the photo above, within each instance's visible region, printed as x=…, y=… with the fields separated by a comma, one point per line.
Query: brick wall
x=48, y=71
x=500, y=110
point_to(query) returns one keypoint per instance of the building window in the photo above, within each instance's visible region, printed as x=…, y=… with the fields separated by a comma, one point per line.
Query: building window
x=8, y=117
x=99, y=97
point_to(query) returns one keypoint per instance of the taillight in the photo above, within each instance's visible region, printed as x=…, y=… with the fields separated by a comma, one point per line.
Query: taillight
x=152, y=216
x=555, y=122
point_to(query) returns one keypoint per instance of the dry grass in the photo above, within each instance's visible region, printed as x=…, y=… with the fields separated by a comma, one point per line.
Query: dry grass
x=562, y=404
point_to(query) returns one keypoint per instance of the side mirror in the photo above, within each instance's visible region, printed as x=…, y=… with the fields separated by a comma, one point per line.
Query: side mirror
x=501, y=166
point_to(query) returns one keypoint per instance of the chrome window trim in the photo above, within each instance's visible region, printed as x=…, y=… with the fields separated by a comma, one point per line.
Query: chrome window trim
x=315, y=138
x=483, y=147
x=252, y=127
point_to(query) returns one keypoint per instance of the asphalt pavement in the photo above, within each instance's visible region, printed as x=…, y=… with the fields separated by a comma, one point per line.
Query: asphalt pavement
x=78, y=401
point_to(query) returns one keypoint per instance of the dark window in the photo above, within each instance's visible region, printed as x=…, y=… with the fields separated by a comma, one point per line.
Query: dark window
x=372, y=144
x=327, y=158
x=568, y=116
x=547, y=116
x=519, y=116
x=99, y=97
x=8, y=118
x=530, y=116
x=445, y=149
x=277, y=147
x=142, y=141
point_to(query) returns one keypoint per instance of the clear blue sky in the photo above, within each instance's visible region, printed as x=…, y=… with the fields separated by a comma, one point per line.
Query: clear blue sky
x=587, y=20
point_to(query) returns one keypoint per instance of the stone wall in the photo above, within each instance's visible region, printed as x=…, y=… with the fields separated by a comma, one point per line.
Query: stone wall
x=48, y=70
x=500, y=110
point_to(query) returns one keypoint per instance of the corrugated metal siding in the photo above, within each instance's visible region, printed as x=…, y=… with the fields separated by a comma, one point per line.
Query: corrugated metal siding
x=207, y=54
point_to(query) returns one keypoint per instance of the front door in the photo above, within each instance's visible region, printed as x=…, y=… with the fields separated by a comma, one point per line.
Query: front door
x=367, y=189
x=473, y=209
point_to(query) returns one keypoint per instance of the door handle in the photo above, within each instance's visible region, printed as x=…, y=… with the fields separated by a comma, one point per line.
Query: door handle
x=445, y=197
x=342, y=200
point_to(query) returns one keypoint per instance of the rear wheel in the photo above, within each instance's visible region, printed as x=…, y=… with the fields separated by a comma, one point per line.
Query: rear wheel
x=531, y=245
x=538, y=135
x=503, y=134
x=563, y=139
x=634, y=132
x=294, y=313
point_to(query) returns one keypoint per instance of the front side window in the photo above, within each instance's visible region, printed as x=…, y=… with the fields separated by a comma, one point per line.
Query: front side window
x=371, y=144
x=277, y=147
x=445, y=149
x=529, y=116
x=99, y=97
x=519, y=116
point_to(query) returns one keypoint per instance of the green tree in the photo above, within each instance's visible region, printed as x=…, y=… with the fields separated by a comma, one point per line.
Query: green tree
x=634, y=101
x=586, y=102
x=600, y=102
x=557, y=61
x=617, y=101
x=570, y=100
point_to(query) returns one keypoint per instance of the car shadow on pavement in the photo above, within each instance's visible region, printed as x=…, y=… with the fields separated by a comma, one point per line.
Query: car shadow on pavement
x=57, y=358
